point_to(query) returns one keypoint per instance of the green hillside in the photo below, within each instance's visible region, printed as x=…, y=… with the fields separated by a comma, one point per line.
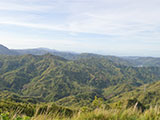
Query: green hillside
x=52, y=78
x=148, y=94
x=88, y=87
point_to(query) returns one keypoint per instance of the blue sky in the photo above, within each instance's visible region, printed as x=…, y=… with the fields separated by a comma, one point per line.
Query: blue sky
x=110, y=27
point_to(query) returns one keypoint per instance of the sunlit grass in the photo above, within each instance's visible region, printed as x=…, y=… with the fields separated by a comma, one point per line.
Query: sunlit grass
x=97, y=114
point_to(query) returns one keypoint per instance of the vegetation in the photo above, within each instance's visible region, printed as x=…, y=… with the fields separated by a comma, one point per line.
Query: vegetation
x=85, y=87
x=132, y=113
x=68, y=82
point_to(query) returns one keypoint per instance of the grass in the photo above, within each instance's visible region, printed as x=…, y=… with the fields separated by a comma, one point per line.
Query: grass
x=97, y=114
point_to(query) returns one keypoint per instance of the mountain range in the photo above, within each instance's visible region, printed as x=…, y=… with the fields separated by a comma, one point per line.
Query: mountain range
x=129, y=61
x=42, y=75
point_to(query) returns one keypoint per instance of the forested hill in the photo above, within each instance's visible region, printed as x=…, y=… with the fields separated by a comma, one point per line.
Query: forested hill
x=54, y=78
x=148, y=94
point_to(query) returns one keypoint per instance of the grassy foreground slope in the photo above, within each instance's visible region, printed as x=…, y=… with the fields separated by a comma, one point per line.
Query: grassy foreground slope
x=57, y=113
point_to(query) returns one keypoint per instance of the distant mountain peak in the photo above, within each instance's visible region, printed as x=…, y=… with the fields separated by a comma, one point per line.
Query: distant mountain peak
x=5, y=51
x=2, y=46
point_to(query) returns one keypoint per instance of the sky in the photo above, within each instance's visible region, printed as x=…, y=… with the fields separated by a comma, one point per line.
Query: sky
x=108, y=27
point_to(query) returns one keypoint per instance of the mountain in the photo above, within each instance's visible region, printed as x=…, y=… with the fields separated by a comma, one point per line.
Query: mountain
x=127, y=61
x=70, y=79
x=43, y=51
x=5, y=51
x=76, y=82
x=37, y=51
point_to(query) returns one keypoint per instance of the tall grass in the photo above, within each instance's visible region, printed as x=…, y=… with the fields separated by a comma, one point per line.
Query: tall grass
x=112, y=114
x=101, y=114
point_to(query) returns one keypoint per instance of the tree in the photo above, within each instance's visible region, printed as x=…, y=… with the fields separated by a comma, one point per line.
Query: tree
x=97, y=102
